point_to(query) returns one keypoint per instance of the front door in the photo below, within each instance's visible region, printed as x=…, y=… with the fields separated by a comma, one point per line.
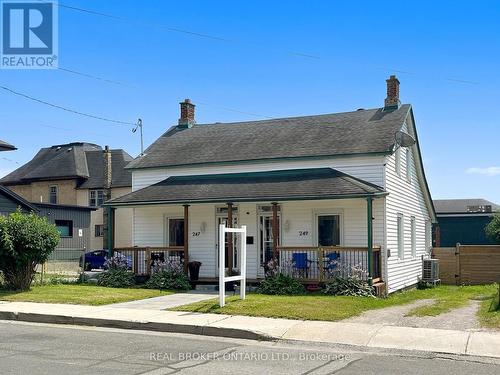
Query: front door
x=328, y=230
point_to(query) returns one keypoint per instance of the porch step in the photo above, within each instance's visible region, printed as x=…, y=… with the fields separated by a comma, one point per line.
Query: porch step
x=380, y=289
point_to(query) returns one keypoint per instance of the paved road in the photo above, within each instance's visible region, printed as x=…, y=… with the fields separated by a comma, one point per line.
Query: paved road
x=49, y=349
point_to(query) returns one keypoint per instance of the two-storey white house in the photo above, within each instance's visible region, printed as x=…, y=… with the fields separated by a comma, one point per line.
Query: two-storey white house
x=348, y=187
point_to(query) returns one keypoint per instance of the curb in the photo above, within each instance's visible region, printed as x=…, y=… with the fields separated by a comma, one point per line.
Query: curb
x=136, y=325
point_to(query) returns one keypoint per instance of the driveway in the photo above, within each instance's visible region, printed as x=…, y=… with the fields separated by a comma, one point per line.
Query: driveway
x=463, y=319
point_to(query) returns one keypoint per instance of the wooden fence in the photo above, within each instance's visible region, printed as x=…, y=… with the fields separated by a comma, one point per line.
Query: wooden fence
x=468, y=264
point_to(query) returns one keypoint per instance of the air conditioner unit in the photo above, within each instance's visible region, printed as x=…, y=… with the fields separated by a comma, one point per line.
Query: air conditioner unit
x=430, y=270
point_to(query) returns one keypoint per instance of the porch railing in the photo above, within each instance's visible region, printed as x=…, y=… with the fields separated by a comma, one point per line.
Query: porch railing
x=141, y=259
x=318, y=264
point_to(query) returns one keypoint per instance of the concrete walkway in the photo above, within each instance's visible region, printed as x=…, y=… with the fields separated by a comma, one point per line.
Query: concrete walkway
x=167, y=302
x=357, y=334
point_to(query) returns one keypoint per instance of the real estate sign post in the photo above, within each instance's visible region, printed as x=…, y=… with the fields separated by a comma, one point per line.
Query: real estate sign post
x=222, y=262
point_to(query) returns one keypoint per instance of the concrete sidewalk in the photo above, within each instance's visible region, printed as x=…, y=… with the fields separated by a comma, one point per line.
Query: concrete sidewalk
x=358, y=334
x=167, y=302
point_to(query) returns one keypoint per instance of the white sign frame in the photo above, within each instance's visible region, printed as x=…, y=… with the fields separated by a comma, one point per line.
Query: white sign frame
x=222, y=262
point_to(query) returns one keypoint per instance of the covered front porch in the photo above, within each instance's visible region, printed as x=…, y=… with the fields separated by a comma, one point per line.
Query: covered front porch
x=315, y=224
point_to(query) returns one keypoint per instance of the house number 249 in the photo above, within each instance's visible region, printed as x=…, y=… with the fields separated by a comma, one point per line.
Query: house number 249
x=303, y=233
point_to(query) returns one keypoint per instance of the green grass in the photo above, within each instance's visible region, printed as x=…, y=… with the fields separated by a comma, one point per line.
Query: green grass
x=489, y=313
x=329, y=308
x=79, y=294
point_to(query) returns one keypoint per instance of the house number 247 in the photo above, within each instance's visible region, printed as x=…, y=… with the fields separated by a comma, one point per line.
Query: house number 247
x=303, y=233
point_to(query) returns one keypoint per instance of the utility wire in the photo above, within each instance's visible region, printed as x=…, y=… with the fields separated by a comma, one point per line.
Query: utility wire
x=87, y=75
x=64, y=108
x=157, y=26
x=213, y=37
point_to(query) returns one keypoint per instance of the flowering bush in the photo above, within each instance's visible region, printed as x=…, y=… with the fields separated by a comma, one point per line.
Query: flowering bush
x=116, y=274
x=346, y=280
x=168, y=275
x=279, y=281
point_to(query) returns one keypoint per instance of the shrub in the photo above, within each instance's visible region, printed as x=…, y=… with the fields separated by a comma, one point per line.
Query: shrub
x=116, y=274
x=168, y=275
x=280, y=284
x=26, y=240
x=493, y=228
x=348, y=286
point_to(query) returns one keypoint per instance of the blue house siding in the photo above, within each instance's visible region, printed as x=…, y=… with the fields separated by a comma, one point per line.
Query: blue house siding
x=467, y=230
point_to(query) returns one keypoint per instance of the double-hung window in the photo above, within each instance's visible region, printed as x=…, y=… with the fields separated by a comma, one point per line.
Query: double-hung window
x=96, y=198
x=53, y=194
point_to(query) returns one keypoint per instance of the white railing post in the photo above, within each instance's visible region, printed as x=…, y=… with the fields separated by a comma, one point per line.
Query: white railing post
x=222, y=262
x=243, y=262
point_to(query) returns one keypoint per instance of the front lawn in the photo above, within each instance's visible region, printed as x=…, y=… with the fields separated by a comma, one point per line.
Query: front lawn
x=329, y=308
x=79, y=294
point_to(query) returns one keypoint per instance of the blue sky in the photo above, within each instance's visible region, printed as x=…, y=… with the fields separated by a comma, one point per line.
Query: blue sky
x=274, y=59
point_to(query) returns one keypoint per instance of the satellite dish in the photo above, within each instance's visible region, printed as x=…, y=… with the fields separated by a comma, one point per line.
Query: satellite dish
x=403, y=139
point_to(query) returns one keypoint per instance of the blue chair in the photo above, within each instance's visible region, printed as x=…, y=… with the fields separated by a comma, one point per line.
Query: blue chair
x=331, y=259
x=300, y=262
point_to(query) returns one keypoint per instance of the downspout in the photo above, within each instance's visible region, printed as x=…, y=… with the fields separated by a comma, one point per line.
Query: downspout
x=369, y=214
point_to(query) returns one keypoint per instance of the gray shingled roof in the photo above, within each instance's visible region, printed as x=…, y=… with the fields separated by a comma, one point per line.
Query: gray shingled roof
x=363, y=131
x=449, y=206
x=304, y=184
x=121, y=177
x=73, y=160
x=4, y=146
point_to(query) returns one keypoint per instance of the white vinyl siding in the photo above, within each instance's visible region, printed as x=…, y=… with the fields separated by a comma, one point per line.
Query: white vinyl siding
x=367, y=168
x=407, y=199
x=401, y=236
x=408, y=165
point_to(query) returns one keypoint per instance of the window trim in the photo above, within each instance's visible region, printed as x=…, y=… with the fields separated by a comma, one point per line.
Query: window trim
x=71, y=227
x=166, y=227
x=96, y=197
x=397, y=161
x=101, y=230
x=56, y=188
x=400, y=228
x=413, y=229
x=317, y=213
x=408, y=165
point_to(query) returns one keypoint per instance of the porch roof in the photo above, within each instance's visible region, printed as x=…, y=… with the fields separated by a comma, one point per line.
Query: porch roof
x=303, y=184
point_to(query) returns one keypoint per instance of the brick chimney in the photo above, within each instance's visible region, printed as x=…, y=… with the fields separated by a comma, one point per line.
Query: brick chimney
x=187, y=114
x=392, y=100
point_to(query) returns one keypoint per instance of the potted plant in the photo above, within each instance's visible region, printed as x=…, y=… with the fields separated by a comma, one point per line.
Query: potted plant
x=194, y=272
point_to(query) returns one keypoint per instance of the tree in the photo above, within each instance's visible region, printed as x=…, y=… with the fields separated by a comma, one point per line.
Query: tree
x=26, y=240
x=493, y=232
x=493, y=228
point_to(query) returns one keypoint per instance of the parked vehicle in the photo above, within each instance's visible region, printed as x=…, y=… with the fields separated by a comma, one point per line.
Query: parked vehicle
x=96, y=259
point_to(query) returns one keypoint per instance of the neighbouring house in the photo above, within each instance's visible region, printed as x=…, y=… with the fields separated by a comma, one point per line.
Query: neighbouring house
x=318, y=193
x=70, y=181
x=74, y=224
x=462, y=221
